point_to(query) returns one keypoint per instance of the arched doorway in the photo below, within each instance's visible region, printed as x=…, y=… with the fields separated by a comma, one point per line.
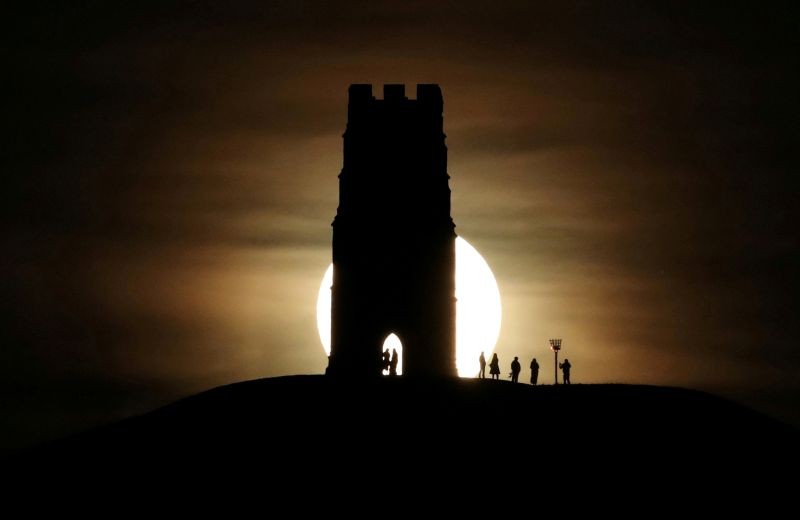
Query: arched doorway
x=392, y=341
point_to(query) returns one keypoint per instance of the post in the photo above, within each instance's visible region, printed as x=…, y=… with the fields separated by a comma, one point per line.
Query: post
x=555, y=345
x=556, y=365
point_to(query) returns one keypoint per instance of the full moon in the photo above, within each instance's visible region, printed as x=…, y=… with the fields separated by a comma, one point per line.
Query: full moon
x=478, y=311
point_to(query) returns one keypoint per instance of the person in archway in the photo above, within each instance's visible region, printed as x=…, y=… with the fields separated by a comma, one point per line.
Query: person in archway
x=494, y=367
x=515, y=369
x=482, y=361
x=534, y=372
x=387, y=359
x=393, y=362
x=565, y=367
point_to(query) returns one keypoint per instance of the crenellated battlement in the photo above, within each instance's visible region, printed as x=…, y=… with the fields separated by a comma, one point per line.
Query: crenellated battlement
x=364, y=109
x=427, y=93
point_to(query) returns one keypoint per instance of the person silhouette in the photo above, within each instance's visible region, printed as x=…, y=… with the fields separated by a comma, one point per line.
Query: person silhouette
x=515, y=368
x=393, y=362
x=534, y=371
x=494, y=367
x=565, y=367
x=482, y=361
x=387, y=359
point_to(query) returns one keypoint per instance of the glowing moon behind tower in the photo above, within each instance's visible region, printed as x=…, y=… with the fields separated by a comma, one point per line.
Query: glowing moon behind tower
x=478, y=309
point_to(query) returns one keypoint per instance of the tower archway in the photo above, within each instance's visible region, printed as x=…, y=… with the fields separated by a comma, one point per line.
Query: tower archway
x=393, y=342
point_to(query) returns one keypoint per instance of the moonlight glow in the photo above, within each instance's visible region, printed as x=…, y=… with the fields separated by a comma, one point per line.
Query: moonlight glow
x=478, y=310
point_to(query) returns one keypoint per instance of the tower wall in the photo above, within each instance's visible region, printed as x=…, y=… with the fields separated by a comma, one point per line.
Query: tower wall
x=393, y=237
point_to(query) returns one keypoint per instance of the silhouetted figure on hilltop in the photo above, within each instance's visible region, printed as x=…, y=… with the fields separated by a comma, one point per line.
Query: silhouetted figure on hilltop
x=565, y=367
x=494, y=367
x=393, y=362
x=515, y=369
x=482, y=361
x=534, y=372
x=387, y=360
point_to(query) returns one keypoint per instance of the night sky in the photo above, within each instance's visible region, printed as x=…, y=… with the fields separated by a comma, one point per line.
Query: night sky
x=170, y=176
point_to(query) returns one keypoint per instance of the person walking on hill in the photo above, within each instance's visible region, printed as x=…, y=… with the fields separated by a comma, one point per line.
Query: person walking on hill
x=515, y=369
x=494, y=367
x=565, y=367
x=534, y=372
x=482, y=361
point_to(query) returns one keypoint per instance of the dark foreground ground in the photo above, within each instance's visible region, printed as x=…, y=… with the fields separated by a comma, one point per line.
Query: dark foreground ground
x=307, y=439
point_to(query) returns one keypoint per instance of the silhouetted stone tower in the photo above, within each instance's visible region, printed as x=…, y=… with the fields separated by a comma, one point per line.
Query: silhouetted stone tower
x=393, y=238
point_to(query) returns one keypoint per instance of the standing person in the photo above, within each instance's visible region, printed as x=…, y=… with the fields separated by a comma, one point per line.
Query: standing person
x=393, y=363
x=565, y=367
x=386, y=360
x=482, y=361
x=534, y=372
x=515, y=369
x=494, y=367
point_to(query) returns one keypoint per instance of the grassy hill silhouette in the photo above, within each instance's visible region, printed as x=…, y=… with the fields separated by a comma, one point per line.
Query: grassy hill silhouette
x=303, y=427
